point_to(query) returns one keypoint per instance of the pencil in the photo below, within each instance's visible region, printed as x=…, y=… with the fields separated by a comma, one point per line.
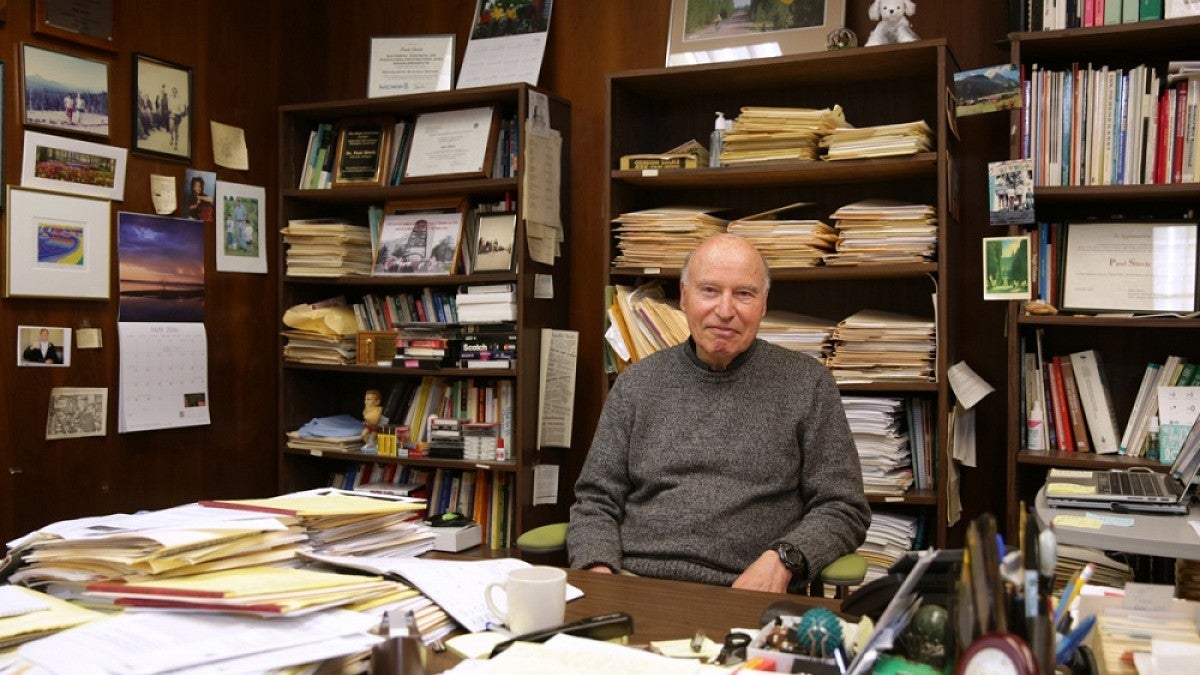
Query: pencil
x=1071, y=592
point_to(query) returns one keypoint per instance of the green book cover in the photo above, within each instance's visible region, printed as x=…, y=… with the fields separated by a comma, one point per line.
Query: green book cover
x=1150, y=10
x=1112, y=11
x=1129, y=11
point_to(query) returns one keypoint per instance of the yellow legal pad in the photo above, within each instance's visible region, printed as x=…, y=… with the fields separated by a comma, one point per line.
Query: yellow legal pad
x=313, y=506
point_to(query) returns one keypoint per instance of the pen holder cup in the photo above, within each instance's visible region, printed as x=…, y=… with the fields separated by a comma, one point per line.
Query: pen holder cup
x=398, y=656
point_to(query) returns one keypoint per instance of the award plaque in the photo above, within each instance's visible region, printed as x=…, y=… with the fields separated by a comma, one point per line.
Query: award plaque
x=362, y=150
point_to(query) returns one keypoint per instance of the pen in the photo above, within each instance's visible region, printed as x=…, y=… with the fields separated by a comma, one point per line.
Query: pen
x=1048, y=548
x=1070, y=642
x=1071, y=592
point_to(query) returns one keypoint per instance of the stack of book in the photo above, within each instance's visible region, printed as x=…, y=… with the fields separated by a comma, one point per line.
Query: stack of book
x=885, y=140
x=785, y=242
x=486, y=303
x=879, y=430
x=797, y=332
x=417, y=348
x=877, y=346
x=664, y=236
x=762, y=134
x=326, y=247
x=875, y=231
x=489, y=347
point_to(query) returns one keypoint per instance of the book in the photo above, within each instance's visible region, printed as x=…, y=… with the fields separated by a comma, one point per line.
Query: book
x=1097, y=402
x=1062, y=415
x=1074, y=407
x=418, y=243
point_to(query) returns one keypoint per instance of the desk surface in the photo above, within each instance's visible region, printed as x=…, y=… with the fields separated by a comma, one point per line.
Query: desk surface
x=662, y=609
x=1162, y=535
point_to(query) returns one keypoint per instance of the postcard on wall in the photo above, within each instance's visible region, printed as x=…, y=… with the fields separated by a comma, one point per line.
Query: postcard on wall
x=76, y=412
x=42, y=346
x=163, y=379
x=508, y=40
x=1006, y=268
x=241, y=219
x=985, y=90
x=1010, y=192
x=418, y=243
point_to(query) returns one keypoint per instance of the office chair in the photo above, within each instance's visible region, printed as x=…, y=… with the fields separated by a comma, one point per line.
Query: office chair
x=843, y=573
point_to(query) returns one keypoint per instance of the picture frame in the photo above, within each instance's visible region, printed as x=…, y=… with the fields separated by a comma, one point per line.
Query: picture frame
x=86, y=22
x=420, y=239
x=362, y=152
x=698, y=34
x=410, y=64
x=57, y=245
x=240, y=231
x=1129, y=267
x=162, y=108
x=1006, y=268
x=495, y=241
x=54, y=353
x=64, y=92
x=452, y=144
x=69, y=165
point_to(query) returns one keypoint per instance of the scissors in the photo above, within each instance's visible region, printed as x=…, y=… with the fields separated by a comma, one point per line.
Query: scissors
x=733, y=650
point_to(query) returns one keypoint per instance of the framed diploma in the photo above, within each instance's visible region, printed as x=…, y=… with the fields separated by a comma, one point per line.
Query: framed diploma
x=362, y=152
x=412, y=64
x=1129, y=267
x=452, y=144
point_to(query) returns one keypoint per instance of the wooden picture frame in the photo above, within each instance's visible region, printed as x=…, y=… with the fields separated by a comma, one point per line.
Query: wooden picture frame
x=696, y=34
x=56, y=245
x=452, y=144
x=162, y=108
x=96, y=170
x=420, y=238
x=1147, y=267
x=64, y=92
x=363, y=151
x=87, y=22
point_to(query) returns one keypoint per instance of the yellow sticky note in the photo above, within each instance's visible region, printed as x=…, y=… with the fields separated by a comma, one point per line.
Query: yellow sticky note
x=1078, y=521
x=1068, y=473
x=1069, y=489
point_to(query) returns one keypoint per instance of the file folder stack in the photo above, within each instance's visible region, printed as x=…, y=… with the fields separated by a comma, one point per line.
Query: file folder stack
x=798, y=332
x=326, y=247
x=764, y=134
x=787, y=242
x=664, y=236
x=877, y=346
x=889, y=537
x=877, y=425
x=885, y=140
x=878, y=231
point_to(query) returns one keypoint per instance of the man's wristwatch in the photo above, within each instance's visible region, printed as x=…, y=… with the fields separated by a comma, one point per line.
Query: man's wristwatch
x=793, y=559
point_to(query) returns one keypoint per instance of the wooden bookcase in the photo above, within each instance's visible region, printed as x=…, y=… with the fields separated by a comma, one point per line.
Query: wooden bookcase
x=651, y=110
x=1125, y=345
x=308, y=391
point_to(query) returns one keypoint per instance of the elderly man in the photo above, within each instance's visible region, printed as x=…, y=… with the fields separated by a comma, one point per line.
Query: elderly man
x=723, y=460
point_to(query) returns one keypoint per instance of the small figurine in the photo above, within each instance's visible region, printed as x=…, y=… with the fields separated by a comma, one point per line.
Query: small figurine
x=841, y=38
x=372, y=418
x=893, y=26
x=925, y=637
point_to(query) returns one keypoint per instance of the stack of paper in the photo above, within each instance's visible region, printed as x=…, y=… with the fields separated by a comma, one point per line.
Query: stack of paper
x=774, y=134
x=486, y=303
x=889, y=537
x=324, y=332
x=326, y=247
x=884, y=231
x=26, y=614
x=879, y=431
x=885, y=140
x=1072, y=559
x=786, y=243
x=877, y=346
x=663, y=237
x=645, y=321
x=798, y=332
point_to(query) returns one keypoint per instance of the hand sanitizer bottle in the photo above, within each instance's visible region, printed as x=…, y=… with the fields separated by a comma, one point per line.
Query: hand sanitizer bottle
x=716, y=141
x=1152, y=440
x=1033, y=437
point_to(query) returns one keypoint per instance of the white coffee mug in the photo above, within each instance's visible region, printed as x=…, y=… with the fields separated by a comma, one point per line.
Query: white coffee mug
x=536, y=598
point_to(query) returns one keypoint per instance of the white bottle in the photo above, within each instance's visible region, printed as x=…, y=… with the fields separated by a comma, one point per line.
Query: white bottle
x=716, y=140
x=1033, y=439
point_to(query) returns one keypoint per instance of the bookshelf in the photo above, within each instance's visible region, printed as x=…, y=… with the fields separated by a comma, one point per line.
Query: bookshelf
x=1126, y=344
x=310, y=390
x=654, y=109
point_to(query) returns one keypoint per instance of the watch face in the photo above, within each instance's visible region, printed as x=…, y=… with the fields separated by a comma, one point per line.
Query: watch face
x=790, y=556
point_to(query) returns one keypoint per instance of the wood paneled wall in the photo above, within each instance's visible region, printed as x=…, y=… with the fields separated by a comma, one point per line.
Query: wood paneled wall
x=251, y=56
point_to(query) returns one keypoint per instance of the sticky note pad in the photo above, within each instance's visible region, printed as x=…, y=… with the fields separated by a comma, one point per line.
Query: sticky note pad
x=1069, y=489
x=1068, y=473
x=1078, y=521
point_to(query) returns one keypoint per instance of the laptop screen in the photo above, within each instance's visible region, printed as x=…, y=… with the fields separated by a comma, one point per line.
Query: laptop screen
x=1188, y=462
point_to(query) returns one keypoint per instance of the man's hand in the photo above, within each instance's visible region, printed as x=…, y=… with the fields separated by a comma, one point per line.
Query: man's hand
x=600, y=569
x=768, y=573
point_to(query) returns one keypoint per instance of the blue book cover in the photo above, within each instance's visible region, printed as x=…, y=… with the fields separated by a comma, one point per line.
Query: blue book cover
x=1068, y=84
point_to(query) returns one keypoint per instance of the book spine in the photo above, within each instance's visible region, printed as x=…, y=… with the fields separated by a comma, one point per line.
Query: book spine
x=1074, y=407
x=1062, y=422
x=1097, y=400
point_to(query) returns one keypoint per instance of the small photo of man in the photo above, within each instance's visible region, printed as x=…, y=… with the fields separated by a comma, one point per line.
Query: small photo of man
x=43, y=346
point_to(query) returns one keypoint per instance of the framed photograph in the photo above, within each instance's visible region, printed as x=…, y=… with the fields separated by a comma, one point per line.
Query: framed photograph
x=410, y=64
x=494, y=242
x=419, y=241
x=452, y=144
x=57, y=245
x=1006, y=270
x=86, y=22
x=68, y=165
x=702, y=31
x=75, y=412
x=162, y=108
x=1129, y=267
x=43, y=346
x=241, y=217
x=63, y=92
x=363, y=148
x=159, y=282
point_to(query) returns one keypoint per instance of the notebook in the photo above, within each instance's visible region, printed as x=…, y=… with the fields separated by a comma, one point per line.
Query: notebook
x=1136, y=489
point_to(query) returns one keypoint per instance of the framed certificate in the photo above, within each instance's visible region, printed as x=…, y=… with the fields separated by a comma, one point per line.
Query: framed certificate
x=1129, y=267
x=410, y=64
x=452, y=144
x=362, y=152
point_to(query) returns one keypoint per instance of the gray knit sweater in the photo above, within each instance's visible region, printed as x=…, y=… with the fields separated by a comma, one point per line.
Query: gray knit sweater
x=693, y=473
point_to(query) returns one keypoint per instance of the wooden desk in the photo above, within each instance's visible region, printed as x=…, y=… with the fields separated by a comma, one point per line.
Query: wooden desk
x=664, y=610
x=1169, y=536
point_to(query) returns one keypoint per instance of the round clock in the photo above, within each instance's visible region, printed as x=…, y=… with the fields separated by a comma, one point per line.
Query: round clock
x=997, y=654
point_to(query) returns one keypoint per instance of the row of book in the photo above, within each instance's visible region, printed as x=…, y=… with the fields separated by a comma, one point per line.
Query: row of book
x=1096, y=125
x=1035, y=15
x=474, y=303
x=895, y=442
x=487, y=497
x=413, y=403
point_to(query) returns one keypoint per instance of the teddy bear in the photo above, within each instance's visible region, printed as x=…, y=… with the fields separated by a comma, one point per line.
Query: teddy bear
x=893, y=25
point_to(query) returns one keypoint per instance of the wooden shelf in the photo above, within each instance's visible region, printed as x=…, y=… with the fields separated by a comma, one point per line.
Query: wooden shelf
x=913, y=497
x=1086, y=460
x=407, y=280
x=398, y=371
x=1072, y=194
x=1116, y=41
x=509, y=467
x=786, y=173
x=479, y=187
x=821, y=273
x=1090, y=322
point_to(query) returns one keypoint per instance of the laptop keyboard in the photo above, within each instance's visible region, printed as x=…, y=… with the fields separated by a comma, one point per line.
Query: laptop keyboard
x=1136, y=484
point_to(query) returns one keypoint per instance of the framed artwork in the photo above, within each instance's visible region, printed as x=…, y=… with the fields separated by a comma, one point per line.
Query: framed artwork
x=419, y=240
x=162, y=105
x=69, y=165
x=57, y=245
x=44, y=346
x=1145, y=267
x=64, y=92
x=493, y=245
x=86, y=22
x=241, y=217
x=702, y=31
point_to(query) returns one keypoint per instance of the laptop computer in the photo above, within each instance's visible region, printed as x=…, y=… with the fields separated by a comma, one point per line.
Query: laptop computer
x=1135, y=489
